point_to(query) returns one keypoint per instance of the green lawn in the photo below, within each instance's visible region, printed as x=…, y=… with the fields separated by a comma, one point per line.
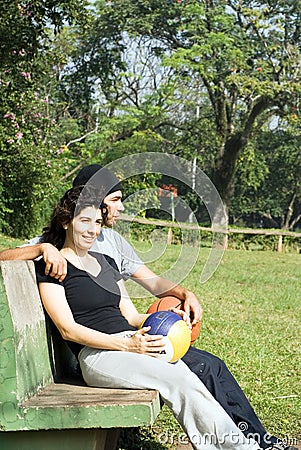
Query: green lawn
x=7, y=242
x=252, y=320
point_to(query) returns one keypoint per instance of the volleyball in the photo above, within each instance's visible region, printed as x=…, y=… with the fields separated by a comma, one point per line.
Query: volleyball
x=164, y=303
x=174, y=330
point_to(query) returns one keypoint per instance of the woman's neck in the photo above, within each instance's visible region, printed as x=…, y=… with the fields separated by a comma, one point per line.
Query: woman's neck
x=70, y=249
x=82, y=260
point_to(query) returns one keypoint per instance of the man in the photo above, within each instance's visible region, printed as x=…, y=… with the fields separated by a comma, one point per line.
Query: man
x=211, y=370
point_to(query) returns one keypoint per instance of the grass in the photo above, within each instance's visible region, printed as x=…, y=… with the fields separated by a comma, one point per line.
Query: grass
x=8, y=242
x=251, y=320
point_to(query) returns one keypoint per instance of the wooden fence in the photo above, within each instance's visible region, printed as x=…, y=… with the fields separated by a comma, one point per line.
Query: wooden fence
x=228, y=231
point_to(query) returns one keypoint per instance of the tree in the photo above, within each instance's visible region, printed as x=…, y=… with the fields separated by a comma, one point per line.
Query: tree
x=27, y=122
x=197, y=78
x=277, y=197
x=244, y=56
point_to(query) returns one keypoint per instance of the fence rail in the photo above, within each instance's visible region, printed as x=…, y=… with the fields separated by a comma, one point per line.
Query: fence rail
x=183, y=225
x=229, y=230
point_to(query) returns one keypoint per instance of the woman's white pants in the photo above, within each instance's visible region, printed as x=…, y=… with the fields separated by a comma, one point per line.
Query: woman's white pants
x=205, y=422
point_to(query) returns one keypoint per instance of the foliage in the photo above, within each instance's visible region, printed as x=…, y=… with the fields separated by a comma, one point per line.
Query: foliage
x=205, y=76
x=268, y=180
x=24, y=158
x=27, y=121
x=89, y=82
x=281, y=150
x=26, y=22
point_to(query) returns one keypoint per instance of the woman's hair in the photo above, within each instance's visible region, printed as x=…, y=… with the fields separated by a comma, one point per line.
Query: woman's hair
x=69, y=206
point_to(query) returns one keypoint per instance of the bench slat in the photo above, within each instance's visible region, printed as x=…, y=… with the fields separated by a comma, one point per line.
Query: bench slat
x=60, y=406
x=68, y=395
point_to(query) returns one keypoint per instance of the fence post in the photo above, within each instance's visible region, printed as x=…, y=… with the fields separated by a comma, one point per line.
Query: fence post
x=279, y=245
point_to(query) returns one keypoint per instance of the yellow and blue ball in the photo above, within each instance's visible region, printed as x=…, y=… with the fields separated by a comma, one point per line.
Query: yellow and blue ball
x=175, y=332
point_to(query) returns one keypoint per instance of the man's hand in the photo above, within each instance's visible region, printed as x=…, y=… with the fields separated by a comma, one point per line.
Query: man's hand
x=192, y=307
x=56, y=264
x=182, y=314
x=161, y=287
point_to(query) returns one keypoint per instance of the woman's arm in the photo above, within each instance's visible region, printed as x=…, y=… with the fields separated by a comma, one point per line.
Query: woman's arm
x=130, y=312
x=56, y=305
x=128, y=309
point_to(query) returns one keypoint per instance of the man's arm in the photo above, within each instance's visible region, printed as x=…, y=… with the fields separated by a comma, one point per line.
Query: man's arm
x=56, y=265
x=160, y=287
x=26, y=252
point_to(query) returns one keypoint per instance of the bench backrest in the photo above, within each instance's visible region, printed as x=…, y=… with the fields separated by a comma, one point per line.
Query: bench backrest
x=25, y=355
x=32, y=353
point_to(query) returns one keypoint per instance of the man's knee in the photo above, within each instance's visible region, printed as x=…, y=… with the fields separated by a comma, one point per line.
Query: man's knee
x=202, y=363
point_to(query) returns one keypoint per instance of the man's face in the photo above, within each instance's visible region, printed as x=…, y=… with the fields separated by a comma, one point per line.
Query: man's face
x=115, y=207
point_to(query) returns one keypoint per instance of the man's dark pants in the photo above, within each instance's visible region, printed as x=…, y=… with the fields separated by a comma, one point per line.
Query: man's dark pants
x=217, y=378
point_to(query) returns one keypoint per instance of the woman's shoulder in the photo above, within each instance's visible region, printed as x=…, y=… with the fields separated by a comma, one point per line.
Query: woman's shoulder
x=104, y=259
x=108, y=265
x=40, y=266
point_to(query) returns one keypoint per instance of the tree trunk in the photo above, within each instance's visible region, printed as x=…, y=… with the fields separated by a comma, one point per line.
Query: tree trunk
x=225, y=167
x=227, y=160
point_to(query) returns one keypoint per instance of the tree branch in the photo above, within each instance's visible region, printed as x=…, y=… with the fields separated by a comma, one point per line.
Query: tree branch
x=84, y=136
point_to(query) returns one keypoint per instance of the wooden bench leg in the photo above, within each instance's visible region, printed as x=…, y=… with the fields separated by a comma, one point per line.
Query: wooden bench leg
x=85, y=439
x=107, y=439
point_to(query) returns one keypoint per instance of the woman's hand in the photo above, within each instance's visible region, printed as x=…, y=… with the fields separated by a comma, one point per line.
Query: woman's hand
x=147, y=344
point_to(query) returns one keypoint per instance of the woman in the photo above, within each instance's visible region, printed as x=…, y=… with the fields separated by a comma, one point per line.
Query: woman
x=93, y=312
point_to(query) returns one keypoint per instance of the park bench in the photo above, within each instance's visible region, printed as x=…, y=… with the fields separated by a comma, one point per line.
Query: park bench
x=44, y=403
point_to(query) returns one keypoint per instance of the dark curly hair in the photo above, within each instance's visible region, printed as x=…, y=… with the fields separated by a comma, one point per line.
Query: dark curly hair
x=69, y=206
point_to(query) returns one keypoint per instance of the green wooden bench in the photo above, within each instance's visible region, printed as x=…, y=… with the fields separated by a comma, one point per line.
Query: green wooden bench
x=41, y=406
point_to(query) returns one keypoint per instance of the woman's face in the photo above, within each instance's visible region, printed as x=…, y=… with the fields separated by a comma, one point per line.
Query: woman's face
x=84, y=229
